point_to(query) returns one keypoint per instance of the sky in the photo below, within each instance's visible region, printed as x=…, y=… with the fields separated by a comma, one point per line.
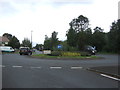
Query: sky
x=42, y=17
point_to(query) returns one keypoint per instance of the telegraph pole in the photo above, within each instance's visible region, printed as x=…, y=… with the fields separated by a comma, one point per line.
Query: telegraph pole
x=31, y=38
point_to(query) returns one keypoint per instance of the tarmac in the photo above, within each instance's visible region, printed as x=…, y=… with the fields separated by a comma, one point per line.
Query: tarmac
x=112, y=71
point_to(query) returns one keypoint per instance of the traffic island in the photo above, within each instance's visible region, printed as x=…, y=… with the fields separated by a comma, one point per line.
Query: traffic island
x=44, y=56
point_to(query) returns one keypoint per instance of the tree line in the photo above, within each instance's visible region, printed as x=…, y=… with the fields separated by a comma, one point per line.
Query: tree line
x=78, y=36
x=15, y=43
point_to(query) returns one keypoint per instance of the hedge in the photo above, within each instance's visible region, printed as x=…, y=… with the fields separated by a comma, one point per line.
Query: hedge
x=62, y=53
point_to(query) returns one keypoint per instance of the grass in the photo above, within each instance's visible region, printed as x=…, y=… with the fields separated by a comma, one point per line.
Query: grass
x=107, y=53
x=64, y=57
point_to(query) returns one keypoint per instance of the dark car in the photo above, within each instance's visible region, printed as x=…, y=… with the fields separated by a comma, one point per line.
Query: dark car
x=25, y=51
x=91, y=50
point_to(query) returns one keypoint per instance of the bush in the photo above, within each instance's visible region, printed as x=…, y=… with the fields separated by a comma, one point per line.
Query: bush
x=70, y=54
x=62, y=53
x=85, y=54
x=55, y=53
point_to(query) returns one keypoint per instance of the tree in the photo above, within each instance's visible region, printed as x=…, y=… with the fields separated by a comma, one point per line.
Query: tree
x=114, y=37
x=98, y=29
x=88, y=36
x=78, y=26
x=71, y=37
x=54, y=39
x=47, y=43
x=26, y=43
x=99, y=38
x=9, y=36
x=118, y=36
x=81, y=42
x=52, y=42
x=14, y=42
x=39, y=46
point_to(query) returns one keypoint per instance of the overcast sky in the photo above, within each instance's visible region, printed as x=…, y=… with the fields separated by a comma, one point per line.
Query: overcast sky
x=19, y=17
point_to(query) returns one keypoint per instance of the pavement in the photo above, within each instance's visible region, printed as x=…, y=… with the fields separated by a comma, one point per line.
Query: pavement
x=107, y=70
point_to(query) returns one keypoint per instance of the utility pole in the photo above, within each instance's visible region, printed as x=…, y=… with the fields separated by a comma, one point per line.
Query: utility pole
x=31, y=38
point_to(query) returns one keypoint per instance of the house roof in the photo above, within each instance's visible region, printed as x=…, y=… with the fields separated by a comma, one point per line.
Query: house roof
x=4, y=39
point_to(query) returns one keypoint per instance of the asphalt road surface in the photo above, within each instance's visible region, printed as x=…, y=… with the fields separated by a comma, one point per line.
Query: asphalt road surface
x=26, y=72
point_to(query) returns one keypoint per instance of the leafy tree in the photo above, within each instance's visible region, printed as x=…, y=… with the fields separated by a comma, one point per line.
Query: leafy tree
x=89, y=36
x=71, y=37
x=54, y=39
x=98, y=29
x=39, y=46
x=118, y=36
x=52, y=42
x=99, y=38
x=9, y=36
x=47, y=43
x=78, y=26
x=81, y=42
x=114, y=37
x=26, y=43
x=14, y=42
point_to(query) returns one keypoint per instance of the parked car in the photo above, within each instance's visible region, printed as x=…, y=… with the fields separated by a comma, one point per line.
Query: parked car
x=6, y=49
x=25, y=51
x=91, y=50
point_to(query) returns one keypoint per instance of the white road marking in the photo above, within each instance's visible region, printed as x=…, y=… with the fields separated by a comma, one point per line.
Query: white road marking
x=35, y=67
x=110, y=77
x=55, y=67
x=17, y=66
x=2, y=66
x=76, y=67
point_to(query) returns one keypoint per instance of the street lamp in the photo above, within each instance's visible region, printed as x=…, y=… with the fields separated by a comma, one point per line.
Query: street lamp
x=31, y=38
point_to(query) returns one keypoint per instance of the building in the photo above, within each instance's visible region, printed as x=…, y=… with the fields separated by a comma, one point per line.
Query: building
x=3, y=41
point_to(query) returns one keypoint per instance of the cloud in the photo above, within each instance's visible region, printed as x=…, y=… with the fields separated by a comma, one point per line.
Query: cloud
x=6, y=9
x=46, y=16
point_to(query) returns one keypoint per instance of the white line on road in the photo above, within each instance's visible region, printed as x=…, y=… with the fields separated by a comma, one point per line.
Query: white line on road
x=36, y=67
x=55, y=67
x=76, y=67
x=110, y=77
x=17, y=66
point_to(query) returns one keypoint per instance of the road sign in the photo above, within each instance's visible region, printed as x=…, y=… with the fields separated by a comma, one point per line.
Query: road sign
x=59, y=46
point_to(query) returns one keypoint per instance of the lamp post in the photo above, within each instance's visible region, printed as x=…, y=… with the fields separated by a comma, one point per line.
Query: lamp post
x=31, y=38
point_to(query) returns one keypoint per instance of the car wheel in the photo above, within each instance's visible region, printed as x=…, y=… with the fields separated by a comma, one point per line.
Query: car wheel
x=20, y=53
x=29, y=53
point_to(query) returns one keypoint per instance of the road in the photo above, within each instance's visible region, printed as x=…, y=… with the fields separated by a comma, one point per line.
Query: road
x=26, y=72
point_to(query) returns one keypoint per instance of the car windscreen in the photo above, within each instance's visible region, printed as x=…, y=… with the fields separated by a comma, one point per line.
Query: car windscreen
x=23, y=48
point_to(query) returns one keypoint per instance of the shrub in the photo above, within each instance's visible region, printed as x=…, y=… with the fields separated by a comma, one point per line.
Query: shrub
x=70, y=54
x=63, y=53
x=55, y=53
x=85, y=54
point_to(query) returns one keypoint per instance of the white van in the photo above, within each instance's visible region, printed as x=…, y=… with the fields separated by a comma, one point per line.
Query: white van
x=6, y=49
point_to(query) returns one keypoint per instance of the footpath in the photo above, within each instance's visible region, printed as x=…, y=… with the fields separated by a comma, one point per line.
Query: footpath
x=112, y=71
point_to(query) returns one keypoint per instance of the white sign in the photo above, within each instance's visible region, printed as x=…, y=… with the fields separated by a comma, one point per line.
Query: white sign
x=47, y=51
